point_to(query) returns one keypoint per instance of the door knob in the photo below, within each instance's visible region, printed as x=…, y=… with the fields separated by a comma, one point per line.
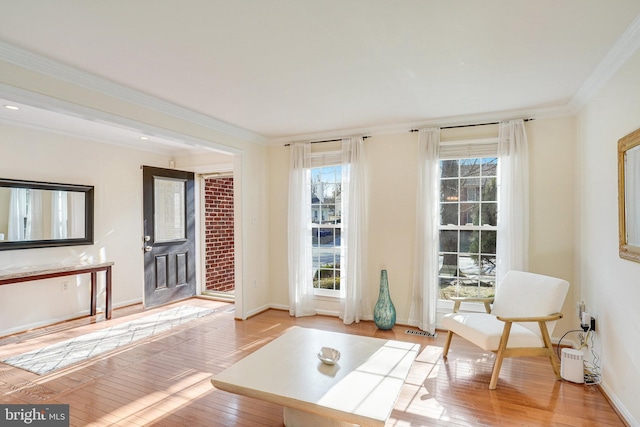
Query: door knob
x=147, y=248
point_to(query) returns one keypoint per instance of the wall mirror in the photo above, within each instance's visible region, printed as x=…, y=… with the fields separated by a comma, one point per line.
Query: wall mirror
x=43, y=214
x=629, y=196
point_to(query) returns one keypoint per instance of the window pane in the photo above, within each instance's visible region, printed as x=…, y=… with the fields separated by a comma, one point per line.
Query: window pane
x=489, y=214
x=449, y=267
x=466, y=240
x=449, y=241
x=315, y=213
x=449, y=214
x=469, y=189
x=323, y=235
x=449, y=168
x=469, y=213
x=328, y=214
x=489, y=242
x=169, y=209
x=489, y=189
x=449, y=190
x=470, y=167
x=490, y=166
x=329, y=193
x=488, y=266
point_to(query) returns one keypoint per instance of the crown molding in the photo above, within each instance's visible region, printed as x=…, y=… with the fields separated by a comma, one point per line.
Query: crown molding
x=626, y=45
x=531, y=113
x=59, y=106
x=55, y=69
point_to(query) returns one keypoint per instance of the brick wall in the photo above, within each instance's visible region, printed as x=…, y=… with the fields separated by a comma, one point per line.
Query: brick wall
x=219, y=234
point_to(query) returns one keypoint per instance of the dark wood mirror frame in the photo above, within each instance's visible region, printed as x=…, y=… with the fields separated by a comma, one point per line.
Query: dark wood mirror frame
x=628, y=250
x=86, y=239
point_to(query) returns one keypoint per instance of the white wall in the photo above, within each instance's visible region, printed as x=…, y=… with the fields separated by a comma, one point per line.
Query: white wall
x=115, y=173
x=391, y=187
x=609, y=285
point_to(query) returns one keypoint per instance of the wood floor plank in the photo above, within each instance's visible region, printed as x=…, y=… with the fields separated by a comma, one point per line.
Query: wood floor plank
x=164, y=380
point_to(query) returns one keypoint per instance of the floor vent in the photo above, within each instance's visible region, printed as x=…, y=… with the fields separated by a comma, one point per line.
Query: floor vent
x=422, y=333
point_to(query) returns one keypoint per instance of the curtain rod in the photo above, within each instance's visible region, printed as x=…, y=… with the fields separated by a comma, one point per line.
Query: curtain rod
x=470, y=125
x=327, y=140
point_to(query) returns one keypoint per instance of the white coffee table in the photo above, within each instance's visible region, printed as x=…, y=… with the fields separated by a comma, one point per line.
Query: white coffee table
x=359, y=390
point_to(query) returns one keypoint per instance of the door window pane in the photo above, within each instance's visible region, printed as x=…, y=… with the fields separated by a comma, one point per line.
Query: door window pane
x=169, y=209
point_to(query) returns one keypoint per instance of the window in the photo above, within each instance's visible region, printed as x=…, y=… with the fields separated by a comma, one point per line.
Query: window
x=326, y=229
x=468, y=227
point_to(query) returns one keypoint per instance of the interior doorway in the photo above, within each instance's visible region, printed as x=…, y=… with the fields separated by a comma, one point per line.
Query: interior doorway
x=219, y=235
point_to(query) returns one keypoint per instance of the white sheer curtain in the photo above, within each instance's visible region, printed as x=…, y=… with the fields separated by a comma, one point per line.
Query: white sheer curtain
x=35, y=222
x=17, y=214
x=425, y=276
x=59, y=214
x=512, y=245
x=299, y=233
x=25, y=215
x=355, y=302
x=76, y=215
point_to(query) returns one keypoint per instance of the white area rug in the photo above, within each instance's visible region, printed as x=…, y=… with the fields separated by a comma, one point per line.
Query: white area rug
x=81, y=348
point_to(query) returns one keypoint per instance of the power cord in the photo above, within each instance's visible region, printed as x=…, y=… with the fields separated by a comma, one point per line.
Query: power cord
x=566, y=333
x=592, y=374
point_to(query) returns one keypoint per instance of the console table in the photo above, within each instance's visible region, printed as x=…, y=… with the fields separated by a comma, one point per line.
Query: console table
x=27, y=274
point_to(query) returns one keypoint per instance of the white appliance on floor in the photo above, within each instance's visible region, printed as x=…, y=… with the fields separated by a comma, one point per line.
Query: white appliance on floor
x=572, y=365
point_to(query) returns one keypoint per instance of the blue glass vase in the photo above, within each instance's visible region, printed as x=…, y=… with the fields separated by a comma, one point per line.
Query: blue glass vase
x=384, y=313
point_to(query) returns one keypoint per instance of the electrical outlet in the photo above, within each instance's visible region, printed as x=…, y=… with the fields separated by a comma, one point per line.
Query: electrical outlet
x=65, y=286
x=255, y=283
x=588, y=324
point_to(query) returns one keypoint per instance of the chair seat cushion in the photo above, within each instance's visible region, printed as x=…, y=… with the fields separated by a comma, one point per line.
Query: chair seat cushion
x=485, y=330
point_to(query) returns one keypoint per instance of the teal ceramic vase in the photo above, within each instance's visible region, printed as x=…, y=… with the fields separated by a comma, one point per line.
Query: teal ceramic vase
x=384, y=313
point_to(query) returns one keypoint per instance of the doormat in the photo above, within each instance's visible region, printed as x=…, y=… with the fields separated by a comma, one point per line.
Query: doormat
x=78, y=349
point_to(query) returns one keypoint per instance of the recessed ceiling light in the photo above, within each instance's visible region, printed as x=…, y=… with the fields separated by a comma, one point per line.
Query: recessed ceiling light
x=144, y=138
x=11, y=107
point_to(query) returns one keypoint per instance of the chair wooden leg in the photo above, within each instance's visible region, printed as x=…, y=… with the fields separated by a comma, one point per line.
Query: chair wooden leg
x=500, y=356
x=553, y=358
x=447, y=344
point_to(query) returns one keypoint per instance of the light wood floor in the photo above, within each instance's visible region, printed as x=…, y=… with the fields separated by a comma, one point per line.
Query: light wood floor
x=165, y=380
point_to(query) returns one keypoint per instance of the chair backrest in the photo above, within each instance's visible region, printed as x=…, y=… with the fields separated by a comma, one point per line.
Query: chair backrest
x=523, y=294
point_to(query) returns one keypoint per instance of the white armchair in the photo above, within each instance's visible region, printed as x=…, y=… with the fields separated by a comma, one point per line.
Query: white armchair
x=524, y=313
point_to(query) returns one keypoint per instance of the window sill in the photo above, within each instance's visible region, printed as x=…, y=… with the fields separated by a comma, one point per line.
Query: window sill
x=322, y=294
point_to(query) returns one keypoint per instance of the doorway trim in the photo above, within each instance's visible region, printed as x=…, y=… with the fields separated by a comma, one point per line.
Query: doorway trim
x=234, y=168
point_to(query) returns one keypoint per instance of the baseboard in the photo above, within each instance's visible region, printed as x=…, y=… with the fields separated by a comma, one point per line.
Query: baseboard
x=257, y=311
x=53, y=321
x=617, y=406
x=42, y=323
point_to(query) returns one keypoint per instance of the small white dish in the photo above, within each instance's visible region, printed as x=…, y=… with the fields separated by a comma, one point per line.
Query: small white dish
x=328, y=355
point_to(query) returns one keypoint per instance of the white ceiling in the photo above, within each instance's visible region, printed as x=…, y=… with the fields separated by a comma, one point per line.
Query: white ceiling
x=285, y=69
